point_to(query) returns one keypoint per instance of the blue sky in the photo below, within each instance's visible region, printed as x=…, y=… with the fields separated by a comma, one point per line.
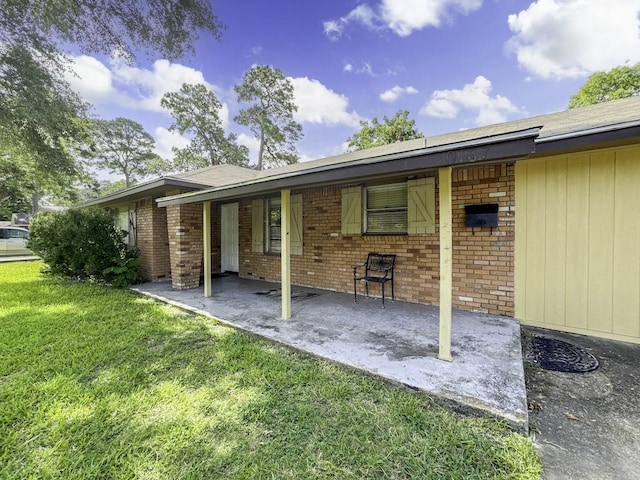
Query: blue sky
x=454, y=64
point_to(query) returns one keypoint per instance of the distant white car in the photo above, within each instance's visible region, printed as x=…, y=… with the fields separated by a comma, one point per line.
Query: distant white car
x=13, y=241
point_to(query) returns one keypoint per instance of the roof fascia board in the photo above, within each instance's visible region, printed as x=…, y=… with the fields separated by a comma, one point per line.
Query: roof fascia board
x=517, y=144
x=588, y=137
x=137, y=190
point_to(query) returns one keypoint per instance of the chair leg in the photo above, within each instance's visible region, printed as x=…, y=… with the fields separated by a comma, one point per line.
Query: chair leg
x=366, y=287
x=355, y=290
x=382, y=284
x=393, y=295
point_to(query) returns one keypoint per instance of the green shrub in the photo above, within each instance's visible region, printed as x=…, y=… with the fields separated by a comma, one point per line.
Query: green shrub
x=84, y=243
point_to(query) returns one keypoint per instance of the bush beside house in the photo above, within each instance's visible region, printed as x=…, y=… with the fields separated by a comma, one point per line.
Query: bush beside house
x=86, y=244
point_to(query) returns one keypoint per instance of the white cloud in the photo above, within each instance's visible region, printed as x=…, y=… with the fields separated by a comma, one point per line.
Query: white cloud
x=405, y=16
x=574, y=38
x=133, y=87
x=252, y=143
x=401, y=16
x=362, y=14
x=149, y=85
x=318, y=104
x=474, y=97
x=396, y=92
x=165, y=140
x=91, y=79
x=348, y=68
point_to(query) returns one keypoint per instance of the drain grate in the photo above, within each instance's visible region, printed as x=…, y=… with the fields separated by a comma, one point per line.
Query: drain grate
x=552, y=354
x=294, y=293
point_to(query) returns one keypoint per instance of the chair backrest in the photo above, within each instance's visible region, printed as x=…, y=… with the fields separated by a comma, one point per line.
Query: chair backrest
x=381, y=262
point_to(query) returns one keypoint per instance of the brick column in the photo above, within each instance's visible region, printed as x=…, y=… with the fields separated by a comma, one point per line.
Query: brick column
x=152, y=241
x=184, y=224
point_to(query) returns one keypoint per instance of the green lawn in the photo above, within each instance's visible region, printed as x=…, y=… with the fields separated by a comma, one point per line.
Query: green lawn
x=101, y=383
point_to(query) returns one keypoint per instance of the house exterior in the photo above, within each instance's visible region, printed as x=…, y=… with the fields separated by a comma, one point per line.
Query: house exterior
x=556, y=242
x=138, y=213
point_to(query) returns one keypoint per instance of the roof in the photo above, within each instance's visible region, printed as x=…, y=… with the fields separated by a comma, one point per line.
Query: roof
x=202, y=178
x=516, y=139
x=555, y=124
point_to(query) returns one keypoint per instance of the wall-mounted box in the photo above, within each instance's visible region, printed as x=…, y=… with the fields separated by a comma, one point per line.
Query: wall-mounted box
x=481, y=215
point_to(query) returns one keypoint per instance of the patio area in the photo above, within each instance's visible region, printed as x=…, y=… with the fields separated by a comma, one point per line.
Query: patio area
x=398, y=343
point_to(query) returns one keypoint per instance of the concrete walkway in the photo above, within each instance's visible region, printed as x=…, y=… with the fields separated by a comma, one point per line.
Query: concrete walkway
x=587, y=425
x=399, y=343
x=18, y=258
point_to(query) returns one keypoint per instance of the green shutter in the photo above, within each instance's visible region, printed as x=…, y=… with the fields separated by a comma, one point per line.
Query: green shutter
x=257, y=226
x=421, y=205
x=296, y=224
x=351, y=211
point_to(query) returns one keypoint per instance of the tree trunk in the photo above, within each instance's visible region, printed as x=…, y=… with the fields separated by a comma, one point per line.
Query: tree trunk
x=35, y=202
x=261, y=150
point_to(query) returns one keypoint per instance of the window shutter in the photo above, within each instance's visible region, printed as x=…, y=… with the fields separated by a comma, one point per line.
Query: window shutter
x=422, y=205
x=296, y=224
x=352, y=211
x=257, y=226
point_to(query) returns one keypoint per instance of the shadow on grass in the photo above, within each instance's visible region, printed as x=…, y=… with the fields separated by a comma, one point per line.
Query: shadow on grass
x=100, y=383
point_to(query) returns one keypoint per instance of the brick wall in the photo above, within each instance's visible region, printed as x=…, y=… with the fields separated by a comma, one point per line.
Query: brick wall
x=152, y=240
x=483, y=260
x=184, y=225
x=482, y=267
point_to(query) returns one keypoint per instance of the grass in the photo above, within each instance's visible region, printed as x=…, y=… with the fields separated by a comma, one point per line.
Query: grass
x=103, y=383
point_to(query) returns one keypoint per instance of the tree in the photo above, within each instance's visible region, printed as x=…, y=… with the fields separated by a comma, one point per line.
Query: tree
x=123, y=146
x=17, y=185
x=270, y=115
x=41, y=119
x=167, y=27
x=619, y=82
x=195, y=110
x=395, y=129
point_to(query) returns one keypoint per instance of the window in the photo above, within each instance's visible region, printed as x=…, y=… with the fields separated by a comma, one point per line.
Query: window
x=386, y=208
x=13, y=233
x=274, y=217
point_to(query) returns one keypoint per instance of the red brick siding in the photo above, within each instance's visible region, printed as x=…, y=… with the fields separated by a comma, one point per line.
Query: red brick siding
x=483, y=260
x=482, y=267
x=184, y=224
x=152, y=240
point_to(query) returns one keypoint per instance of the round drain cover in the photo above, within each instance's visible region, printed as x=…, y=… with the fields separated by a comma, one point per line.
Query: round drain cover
x=552, y=354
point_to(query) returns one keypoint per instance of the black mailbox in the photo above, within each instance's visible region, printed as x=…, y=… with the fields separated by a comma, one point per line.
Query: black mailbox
x=482, y=215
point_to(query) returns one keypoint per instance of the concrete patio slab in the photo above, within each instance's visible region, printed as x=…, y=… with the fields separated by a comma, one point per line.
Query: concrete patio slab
x=399, y=343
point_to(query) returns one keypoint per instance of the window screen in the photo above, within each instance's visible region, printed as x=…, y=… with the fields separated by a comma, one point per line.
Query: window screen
x=386, y=208
x=273, y=225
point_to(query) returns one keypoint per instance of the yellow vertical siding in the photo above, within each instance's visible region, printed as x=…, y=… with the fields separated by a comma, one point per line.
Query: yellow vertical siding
x=601, y=212
x=577, y=249
x=520, y=268
x=578, y=243
x=555, y=241
x=626, y=258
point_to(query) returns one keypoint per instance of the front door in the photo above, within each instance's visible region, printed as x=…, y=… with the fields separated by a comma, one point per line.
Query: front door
x=229, y=237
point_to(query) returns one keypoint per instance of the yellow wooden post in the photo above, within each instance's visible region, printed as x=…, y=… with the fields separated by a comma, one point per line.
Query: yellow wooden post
x=206, y=241
x=285, y=252
x=446, y=256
